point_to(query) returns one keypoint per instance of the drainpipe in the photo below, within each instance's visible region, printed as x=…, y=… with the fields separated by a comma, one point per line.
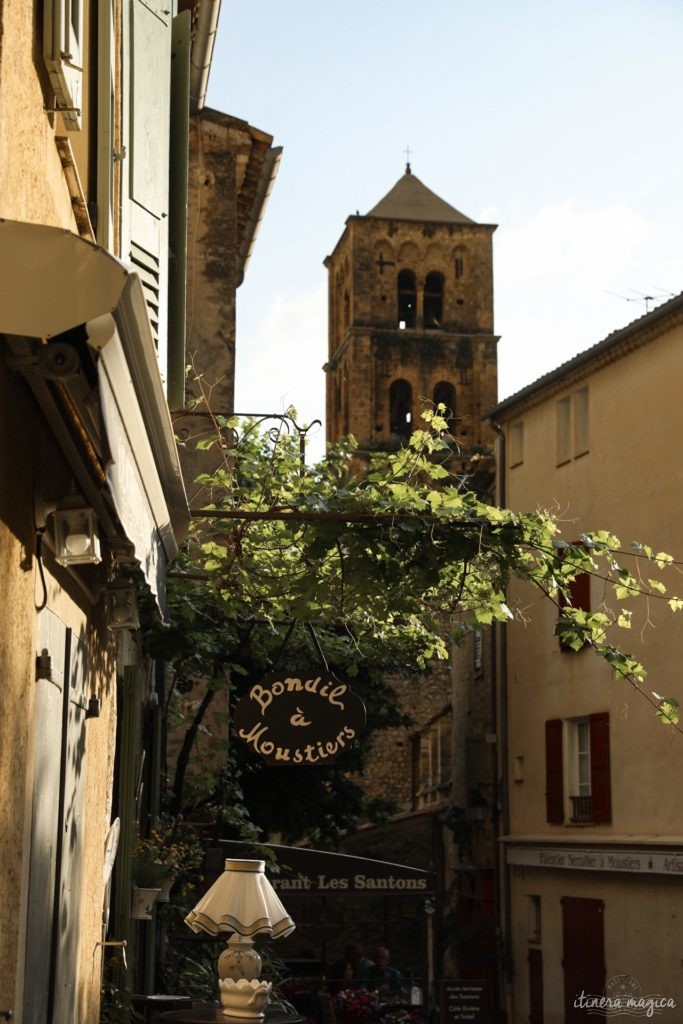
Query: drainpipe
x=202, y=52
x=503, y=868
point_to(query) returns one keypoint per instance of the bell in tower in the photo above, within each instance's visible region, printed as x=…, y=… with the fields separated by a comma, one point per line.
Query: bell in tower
x=411, y=322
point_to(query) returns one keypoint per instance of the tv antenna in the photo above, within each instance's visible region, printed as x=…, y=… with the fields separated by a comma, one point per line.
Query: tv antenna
x=646, y=299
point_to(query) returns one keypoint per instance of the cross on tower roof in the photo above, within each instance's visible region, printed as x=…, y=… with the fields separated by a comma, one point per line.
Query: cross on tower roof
x=407, y=152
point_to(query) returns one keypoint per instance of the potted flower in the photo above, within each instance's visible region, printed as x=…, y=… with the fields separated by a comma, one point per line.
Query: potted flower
x=174, y=850
x=148, y=876
x=354, y=1006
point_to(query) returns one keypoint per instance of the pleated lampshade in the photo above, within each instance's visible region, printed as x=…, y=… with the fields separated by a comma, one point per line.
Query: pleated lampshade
x=241, y=900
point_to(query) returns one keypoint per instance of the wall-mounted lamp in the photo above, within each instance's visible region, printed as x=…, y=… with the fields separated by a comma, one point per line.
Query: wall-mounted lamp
x=122, y=605
x=76, y=540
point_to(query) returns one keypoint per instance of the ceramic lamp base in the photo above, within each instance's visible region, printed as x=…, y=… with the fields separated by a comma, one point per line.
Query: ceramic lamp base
x=244, y=999
x=239, y=959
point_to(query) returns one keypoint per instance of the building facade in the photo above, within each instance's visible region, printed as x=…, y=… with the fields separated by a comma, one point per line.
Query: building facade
x=94, y=110
x=593, y=829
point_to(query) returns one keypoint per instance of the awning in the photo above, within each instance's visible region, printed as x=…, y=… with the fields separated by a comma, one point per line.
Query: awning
x=309, y=871
x=51, y=281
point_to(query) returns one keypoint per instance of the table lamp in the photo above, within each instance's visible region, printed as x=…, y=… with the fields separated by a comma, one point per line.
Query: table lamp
x=241, y=901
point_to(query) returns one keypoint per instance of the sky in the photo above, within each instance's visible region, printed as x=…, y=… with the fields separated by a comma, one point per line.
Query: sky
x=557, y=120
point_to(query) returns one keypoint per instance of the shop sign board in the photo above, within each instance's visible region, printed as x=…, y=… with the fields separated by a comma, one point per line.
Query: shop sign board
x=299, y=720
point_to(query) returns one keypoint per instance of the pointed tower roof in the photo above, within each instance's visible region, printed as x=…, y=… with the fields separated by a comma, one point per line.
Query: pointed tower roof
x=409, y=199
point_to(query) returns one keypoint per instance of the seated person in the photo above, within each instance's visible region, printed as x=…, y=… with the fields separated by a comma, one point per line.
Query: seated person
x=382, y=976
x=352, y=970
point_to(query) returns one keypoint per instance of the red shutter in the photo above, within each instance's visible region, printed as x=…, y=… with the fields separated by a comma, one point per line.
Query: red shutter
x=554, y=788
x=580, y=591
x=601, y=808
x=579, y=597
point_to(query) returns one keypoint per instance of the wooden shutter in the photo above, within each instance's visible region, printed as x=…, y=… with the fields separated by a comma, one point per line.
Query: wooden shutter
x=71, y=858
x=579, y=597
x=147, y=59
x=554, y=784
x=54, y=909
x=580, y=591
x=45, y=826
x=601, y=809
x=177, y=221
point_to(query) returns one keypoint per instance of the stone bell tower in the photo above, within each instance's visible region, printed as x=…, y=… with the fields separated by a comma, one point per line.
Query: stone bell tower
x=411, y=321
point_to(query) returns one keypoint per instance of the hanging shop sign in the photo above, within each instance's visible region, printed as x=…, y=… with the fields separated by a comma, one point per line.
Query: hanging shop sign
x=299, y=720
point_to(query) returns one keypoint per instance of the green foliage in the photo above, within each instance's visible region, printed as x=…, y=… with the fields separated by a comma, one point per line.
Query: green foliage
x=390, y=567
x=402, y=556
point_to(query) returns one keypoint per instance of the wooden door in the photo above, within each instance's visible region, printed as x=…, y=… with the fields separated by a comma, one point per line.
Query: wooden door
x=535, y=986
x=583, y=959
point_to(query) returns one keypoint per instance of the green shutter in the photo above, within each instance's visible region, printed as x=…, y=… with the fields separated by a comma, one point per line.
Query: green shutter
x=180, y=130
x=45, y=829
x=71, y=859
x=147, y=69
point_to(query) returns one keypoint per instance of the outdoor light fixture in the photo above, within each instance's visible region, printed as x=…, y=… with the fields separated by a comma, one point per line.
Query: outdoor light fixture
x=76, y=541
x=241, y=901
x=122, y=605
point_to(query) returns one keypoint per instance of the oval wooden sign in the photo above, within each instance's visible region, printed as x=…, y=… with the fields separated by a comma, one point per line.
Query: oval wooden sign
x=292, y=720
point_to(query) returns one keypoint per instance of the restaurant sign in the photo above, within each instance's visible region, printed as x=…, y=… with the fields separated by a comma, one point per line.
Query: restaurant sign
x=292, y=720
x=300, y=870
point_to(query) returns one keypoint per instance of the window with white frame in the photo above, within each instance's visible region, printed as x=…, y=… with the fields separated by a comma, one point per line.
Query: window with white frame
x=578, y=770
x=64, y=52
x=578, y=731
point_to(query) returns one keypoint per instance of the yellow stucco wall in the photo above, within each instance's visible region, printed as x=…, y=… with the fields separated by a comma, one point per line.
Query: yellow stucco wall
x=33, y=188
x=32, y=185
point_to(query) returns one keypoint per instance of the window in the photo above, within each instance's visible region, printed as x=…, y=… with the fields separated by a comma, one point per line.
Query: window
x=432, y=750
x=459, y=267
x=400, y=408
x=517, y=444
x=63, y=51
x=579, y=597
x=407, y=299
x=444, y=394
x=433, y=299
x=578, y=788
x=572, y=426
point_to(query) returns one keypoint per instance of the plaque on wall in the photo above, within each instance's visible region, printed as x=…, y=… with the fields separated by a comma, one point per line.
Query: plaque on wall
x=462, y=1001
